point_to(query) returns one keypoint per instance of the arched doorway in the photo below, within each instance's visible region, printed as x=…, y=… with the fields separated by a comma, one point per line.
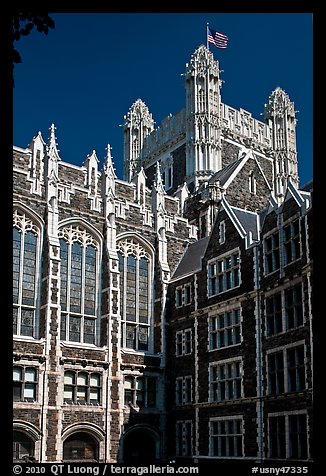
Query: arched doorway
x=139, y=447
x=23, y=447
x=80, y=446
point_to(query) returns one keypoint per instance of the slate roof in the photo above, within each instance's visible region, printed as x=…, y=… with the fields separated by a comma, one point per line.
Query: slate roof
x=191, y=260
x=248, y=220
x=224, y=174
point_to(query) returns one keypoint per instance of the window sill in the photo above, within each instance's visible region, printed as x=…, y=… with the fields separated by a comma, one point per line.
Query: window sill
x=28, y=339
x=78, y=345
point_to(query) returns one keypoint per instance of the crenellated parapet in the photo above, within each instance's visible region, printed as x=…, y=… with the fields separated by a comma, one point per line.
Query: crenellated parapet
x=239, y=125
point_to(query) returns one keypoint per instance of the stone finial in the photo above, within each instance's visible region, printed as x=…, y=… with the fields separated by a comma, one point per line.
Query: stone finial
x=52, y=146
x=108, y=166
x=158, y=183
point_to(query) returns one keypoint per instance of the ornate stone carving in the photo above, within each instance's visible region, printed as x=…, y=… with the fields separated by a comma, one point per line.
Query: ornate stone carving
x=73, y=233
x=23, y=223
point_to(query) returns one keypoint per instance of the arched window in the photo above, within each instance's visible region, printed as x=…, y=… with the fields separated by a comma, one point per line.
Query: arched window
x=79, y=285
x=80, y=446
x=135, y=295
x=23, y=447
x=26, y=244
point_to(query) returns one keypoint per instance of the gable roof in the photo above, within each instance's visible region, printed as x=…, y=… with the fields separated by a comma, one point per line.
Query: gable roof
x=248, y=220
x=191, y=260
x=224, y=174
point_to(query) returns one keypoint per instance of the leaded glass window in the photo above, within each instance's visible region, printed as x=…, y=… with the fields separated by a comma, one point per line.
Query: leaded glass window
x=135, y=295
x=79, y=285
x=26, y=243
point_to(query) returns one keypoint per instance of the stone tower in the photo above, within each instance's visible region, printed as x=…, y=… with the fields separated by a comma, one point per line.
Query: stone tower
x=203, y=133
x=280, y=116
x=138, y=124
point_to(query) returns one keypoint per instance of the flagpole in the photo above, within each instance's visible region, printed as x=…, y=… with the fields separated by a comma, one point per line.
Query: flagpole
x=207, y=44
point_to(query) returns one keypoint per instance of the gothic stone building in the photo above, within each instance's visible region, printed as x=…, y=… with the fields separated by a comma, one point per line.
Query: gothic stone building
x=169, y=314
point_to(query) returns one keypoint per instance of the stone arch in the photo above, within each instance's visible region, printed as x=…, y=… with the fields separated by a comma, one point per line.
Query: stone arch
x=75, y=220
x=141, y=444
x=140, y=239
x=26, y=441
x=83, y=441
x=35, y=217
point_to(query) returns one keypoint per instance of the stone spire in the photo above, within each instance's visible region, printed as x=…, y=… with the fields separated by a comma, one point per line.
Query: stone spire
x=52, y=179
x=109, y=172
x=36, y=167
x=53, y=151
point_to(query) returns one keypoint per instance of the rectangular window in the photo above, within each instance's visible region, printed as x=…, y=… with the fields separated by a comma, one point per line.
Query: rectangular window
x=183, y=295
x=183, y=438
x=222, y=232
x=140, y=391
x=225, y=381
x=183, y=390
x=286, y=370
x=24, y=384
x=287, y=436
x=226, y=438
x=179, y=391
x=292, y=241
x=179, y=344
x=224, y=274
x=225, y=330
x=276, y=373
x=183, y=341
x=272, y=253
x=298, y=436
x=82, y=388
x=293, y=307
x=178, y=297
x=296, y=368
x=274, y=314
x=187, y=294
x=277, y=437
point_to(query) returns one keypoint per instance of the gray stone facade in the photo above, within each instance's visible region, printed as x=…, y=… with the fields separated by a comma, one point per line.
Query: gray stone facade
x=118, y=323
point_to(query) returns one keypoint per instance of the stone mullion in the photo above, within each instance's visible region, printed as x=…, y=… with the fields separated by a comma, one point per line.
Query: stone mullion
x=115, y=413
x=51, y=412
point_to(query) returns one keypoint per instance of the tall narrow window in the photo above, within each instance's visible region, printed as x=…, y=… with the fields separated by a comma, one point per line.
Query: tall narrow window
x=26, y=238
x=79, y=285
x=274, y=314
x=292, y=241
x=272, y=253
x=135, y=295
x=184, y=438
x=293, y=307
x=252, y=183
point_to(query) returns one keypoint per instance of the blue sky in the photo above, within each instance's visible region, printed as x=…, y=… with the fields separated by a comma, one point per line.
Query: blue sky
x=85, y=74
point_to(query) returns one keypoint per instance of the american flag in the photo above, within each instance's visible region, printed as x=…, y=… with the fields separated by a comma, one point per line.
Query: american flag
x=218, y=39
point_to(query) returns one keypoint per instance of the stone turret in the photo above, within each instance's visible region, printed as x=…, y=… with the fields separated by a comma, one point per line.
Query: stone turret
x=138, y=125
x=280, y=115
x=203, y=132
